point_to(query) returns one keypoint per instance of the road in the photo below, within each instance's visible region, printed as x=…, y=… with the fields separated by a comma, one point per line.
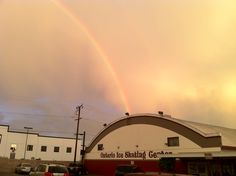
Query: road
x=10, y=174
x=13, y=174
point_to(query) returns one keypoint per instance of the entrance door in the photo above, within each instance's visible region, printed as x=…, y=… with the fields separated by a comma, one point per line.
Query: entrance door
x=12, y=155
x=215, y=169
x=13, y=151
x=228, y=169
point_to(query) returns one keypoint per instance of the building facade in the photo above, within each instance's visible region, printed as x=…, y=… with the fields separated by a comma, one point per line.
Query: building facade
x=152, y=140
x=23, y=145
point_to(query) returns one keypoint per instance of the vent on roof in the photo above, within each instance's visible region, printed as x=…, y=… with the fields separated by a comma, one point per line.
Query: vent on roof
x=161, y=113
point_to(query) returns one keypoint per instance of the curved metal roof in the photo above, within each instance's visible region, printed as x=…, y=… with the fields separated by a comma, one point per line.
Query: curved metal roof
x=201, y=134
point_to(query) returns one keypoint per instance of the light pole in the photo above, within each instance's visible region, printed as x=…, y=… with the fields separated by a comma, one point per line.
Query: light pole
x=27, y=128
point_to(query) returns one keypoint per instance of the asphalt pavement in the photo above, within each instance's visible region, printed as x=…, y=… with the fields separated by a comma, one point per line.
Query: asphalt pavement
x=14, y=174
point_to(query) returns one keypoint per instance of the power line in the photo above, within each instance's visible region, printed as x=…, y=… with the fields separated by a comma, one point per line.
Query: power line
x=49, y=115
x=30, y=114
x=89, y=119
x=100, y=110
x=48, y=101
x=50, y=131
x=39, y=100
x=45, y=100
x=43, y=131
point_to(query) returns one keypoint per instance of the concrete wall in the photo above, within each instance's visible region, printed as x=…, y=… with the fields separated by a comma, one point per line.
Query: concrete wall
x=4, y=135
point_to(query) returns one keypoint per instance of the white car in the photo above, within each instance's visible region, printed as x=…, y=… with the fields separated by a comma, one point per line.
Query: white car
x=23, y=168
x=50, y=170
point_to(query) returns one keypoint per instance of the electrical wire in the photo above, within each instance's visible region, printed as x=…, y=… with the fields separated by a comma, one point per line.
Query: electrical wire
x=29, y=114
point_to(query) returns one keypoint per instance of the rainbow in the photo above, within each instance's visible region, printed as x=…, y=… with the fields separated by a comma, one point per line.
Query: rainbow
x=95, y=44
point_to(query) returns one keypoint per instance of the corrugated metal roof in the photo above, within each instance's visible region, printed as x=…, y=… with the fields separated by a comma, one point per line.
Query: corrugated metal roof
x=228, y=135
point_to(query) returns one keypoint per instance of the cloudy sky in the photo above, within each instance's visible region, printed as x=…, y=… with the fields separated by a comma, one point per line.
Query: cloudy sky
x=116, y=56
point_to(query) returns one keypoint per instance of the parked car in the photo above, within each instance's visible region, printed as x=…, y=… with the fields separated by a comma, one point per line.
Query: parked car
x=50, y=170
x=23, y=168
x=155, y=174
x=121, y=170
x=76, y=169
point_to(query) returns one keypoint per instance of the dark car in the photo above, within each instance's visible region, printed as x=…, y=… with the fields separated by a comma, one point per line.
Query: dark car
x=121, y=170
x=76, y=169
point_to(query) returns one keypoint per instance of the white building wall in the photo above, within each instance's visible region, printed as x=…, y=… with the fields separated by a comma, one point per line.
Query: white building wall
x=144, y=138
x=62, y=144
x=4, y=136
x=19, y=140
x=32, y=140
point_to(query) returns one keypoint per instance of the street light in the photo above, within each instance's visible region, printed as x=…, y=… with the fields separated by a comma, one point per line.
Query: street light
x=27, y=128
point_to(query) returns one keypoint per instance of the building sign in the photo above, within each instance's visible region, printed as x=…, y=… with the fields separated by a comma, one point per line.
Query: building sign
x=134, y=155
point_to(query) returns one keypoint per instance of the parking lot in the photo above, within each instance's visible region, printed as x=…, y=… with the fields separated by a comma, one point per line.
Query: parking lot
x=10, y=174
x=7, y=166
x=13, y=174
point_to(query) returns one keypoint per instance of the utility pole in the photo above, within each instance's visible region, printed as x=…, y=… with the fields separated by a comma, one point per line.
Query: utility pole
x=83, y=147
x=78, y=109
x=83, y=153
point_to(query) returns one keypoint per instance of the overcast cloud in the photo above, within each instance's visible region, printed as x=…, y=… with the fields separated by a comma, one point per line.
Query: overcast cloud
x=116, y=56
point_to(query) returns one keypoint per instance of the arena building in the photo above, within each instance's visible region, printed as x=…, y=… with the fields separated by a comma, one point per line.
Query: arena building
x=151, y=141
x=27, y=145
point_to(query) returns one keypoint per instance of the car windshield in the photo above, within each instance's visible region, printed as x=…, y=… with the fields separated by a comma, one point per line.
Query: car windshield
x=125, y=168
x=26, y=165
x=57, y=169
x=74, y=164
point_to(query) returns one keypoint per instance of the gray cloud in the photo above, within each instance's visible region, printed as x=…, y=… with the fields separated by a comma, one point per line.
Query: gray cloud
x=173, y=59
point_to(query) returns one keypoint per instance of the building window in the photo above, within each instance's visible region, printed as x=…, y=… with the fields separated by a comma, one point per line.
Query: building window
x=0, y=138
x=68, y=150
x=29, y=147
x=43, y=148
x=100, y=147
x=173, y=141
x=56, y=149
